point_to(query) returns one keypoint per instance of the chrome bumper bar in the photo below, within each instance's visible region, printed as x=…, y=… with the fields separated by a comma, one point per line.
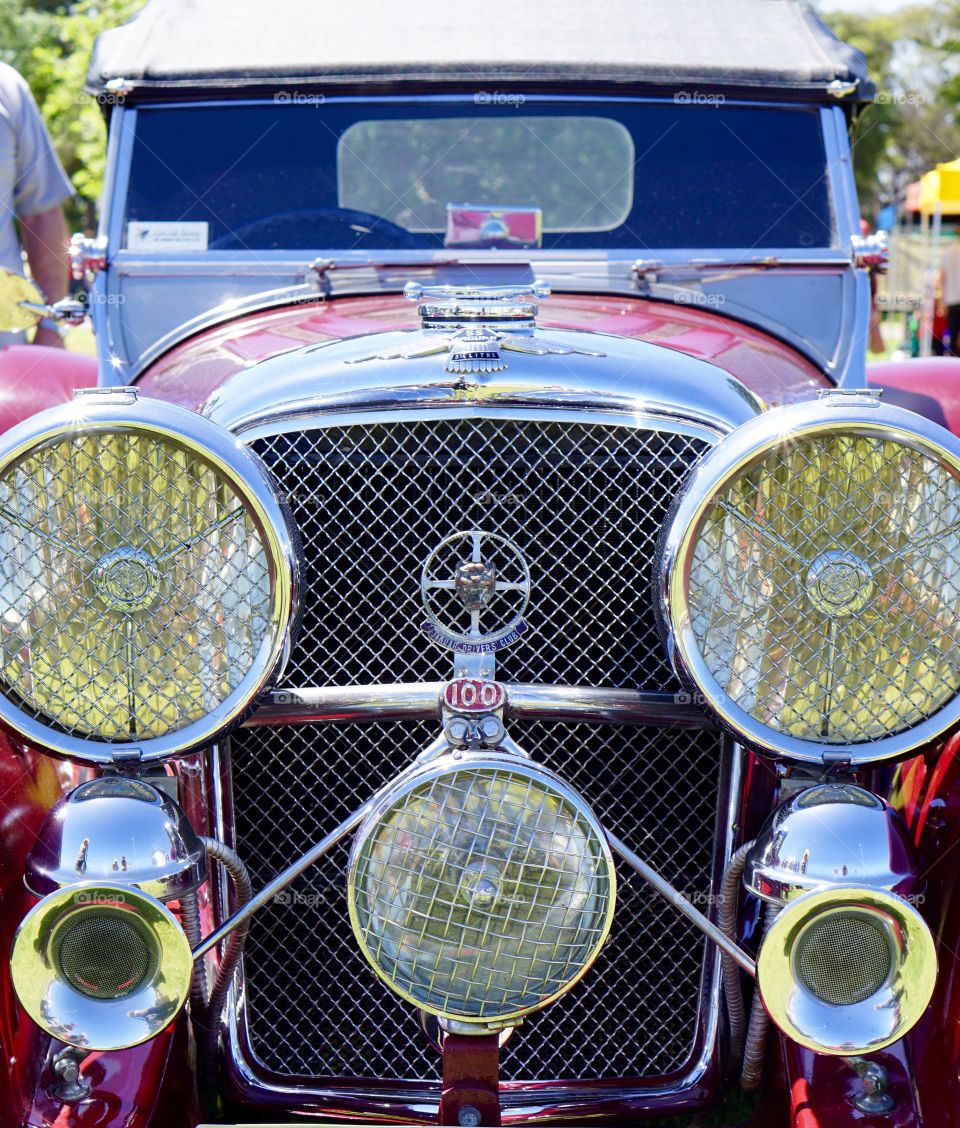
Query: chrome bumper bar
x=422, y=701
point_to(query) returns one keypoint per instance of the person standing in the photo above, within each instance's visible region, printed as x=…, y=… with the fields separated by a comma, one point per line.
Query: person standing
x=948, y=291
x=33, y=188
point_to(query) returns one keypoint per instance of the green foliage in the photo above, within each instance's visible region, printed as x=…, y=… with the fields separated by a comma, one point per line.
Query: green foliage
x=914, y=124
x=50, y=44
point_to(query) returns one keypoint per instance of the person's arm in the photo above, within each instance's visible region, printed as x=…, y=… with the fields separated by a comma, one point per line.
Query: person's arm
x=40, y=189
x=45, y=241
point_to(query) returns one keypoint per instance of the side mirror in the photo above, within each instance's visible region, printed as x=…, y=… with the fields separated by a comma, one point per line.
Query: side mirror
x=22, y=305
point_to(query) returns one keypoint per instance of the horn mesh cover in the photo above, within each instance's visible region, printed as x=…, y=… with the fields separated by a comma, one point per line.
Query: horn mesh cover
x=844, y=957
x=482, y=893
x=104, y=956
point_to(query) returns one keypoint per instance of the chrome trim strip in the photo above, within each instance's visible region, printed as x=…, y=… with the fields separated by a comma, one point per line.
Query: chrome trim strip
x=105, y=296
x=850, y=361
x=417, y=403
x=336, y=705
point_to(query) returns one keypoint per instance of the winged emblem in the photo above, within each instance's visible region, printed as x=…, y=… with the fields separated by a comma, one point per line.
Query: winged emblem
x=476, y=349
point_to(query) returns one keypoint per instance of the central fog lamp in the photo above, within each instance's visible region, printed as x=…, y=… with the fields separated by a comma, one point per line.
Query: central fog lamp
x=481, y=888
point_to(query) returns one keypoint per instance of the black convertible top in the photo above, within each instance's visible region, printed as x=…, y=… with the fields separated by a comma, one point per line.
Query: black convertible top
x=777, y=47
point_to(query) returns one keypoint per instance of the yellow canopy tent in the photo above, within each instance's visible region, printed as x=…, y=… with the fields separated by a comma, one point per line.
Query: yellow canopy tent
x=940, y=190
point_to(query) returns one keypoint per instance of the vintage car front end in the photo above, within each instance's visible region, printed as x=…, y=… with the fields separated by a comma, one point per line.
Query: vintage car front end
x=470, y=663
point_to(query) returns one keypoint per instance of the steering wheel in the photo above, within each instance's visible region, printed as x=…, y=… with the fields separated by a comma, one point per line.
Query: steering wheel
x=317, y=227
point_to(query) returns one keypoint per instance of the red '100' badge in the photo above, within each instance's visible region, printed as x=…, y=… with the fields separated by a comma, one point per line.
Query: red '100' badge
x=471, y=695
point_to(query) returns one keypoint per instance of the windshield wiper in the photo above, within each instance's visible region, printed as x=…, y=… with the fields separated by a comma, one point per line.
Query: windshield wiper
x=649, y=271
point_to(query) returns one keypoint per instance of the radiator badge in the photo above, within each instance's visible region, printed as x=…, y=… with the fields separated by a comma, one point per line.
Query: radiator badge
x=475, y=588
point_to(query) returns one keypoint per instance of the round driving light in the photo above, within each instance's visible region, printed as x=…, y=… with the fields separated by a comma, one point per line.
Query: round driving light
x=101, y=965
x=811, y=580
x=147, y=578
x=847, y=970
x=480, y=888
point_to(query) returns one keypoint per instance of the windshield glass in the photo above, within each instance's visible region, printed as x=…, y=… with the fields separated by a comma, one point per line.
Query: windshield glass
x=308, y=173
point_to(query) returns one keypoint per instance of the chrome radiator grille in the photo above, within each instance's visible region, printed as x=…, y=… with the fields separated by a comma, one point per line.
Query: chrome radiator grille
x=583, y=502
x=313, y=1006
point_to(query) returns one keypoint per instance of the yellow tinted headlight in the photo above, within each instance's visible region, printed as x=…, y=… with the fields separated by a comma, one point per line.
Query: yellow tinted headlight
x=813, y=580
x=146, y=578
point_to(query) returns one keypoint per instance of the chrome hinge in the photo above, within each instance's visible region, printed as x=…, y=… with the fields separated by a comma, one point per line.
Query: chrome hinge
x=871, y=252
x=842, y=87
x=865, y=397
x=87, y=257
x=125, y=395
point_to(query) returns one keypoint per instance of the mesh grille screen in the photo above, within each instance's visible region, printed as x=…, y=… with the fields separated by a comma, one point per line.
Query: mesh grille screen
x=825, y=588
x=315, y=1007
x=134, y=586
x=584, y=503
x=104, y=956
x=844, y=958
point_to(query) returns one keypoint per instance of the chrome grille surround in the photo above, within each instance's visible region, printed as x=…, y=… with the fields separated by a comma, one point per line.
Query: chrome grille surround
x=656, y=788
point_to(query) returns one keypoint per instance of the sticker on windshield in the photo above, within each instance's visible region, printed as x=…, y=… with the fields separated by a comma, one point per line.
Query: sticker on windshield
x=167, y=236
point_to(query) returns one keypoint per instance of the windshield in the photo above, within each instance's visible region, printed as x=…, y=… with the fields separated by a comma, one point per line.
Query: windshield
x=307, y=173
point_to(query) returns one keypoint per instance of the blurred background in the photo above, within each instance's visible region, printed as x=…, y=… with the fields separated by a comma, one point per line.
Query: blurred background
x=906, y=148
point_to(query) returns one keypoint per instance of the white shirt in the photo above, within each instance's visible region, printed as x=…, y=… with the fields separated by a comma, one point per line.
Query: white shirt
x=950, y=265
x=32, y=179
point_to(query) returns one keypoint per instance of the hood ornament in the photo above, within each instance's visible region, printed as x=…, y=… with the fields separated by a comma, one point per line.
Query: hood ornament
x=475, y=325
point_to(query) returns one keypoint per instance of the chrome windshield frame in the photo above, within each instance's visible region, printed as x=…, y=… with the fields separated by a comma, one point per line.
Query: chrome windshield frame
x=126, y=349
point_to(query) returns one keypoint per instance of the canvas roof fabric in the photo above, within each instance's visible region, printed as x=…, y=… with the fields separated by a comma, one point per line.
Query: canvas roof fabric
x=774, y=46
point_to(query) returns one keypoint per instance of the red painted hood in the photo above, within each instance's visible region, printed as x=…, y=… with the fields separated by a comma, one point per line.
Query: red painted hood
x=192, y=370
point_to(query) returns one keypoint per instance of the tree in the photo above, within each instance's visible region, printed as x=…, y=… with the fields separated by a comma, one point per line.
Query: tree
x=50, y=44
x=914, y=62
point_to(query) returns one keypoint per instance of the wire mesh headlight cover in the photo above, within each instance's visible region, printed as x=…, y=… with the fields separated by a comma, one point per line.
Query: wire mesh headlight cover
x=847, y=970
x=148, y=578
x=480, y=888
x=810, y=580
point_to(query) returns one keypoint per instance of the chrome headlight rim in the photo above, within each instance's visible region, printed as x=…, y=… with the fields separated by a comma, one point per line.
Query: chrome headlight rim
x=401, y=787
x=875, y=1021
x=122, y=410
x=834, y=413
x=79, y=1019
